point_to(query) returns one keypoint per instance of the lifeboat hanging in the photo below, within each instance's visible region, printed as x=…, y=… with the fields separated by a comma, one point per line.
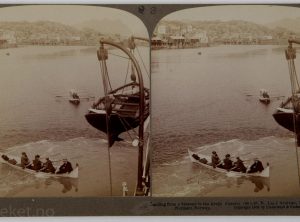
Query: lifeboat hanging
x=123, y=108
x=287, y=115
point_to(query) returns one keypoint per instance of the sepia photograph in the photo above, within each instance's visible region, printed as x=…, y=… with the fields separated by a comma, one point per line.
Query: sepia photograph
x=75, y=102
x=225, y=98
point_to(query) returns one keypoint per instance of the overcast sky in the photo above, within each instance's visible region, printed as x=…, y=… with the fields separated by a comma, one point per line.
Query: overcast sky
x=71, y=14
x=254, y=13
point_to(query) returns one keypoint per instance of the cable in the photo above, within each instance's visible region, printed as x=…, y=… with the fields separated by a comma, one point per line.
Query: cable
x=143, y=62
x=124, y=57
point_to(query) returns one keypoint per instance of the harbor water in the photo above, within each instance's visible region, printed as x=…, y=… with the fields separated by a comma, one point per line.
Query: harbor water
x=206, y=99
x=36, y=117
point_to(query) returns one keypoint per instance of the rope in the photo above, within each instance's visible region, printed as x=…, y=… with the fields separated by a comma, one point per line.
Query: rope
x=105, y=78
x=109, y=166
x=292, y=71
x=124, y=57
x=126, y=75
x=143, y=63
x=123, y=121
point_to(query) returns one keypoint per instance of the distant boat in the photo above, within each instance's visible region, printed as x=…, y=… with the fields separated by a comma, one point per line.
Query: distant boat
x=264, y=96
x=74, y=97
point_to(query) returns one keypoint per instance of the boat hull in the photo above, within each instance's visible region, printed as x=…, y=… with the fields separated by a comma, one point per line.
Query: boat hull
x=116, y=125
x=285, y=120
x=264, y=173
x=264, y=100
x=74, y=101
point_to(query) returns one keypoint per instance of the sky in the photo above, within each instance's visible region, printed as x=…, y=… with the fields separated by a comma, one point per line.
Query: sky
x=71, y=15
x=260, y=14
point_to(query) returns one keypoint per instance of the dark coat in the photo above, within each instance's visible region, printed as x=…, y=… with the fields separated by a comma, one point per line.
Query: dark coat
x=215, y=160
x=239, y=166
x=65, y=168
x=24, y=161
x=257, y=166
x=48, y=167
x=227, y=163
x=36, y=164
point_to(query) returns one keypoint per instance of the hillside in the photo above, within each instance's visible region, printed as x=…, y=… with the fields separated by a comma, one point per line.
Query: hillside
x=106, y=26
x=45, y=27
x=219, y=29
x=289, y=24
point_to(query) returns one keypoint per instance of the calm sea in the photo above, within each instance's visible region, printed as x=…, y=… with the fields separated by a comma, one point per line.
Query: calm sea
x=36, y=117
x=209, y=101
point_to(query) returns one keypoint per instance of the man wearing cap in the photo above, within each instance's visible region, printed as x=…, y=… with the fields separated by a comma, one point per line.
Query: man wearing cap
x=36, y=163
x=257, y=166
x=66, y=167
x=215, y=160
x=227, y=162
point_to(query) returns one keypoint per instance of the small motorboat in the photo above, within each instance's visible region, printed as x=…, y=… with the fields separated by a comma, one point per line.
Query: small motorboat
x=264, y=96
x=15, y=162
x=204, y=160
x=74, y=97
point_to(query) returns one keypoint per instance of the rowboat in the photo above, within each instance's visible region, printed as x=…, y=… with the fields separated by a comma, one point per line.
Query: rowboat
x=200, y=157
x=17, y=166
x=74, y=101
x=74, y=97
x=264, y=96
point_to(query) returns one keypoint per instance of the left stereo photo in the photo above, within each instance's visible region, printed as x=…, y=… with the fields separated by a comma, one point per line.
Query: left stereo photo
x=75, y=91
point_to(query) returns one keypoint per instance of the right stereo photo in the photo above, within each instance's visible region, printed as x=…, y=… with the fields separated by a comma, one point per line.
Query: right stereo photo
x=226, y=102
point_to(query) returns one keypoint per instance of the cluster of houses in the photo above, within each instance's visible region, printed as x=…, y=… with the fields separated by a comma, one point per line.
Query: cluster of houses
x=9, y=39
x=179, y=36
x=174, y=36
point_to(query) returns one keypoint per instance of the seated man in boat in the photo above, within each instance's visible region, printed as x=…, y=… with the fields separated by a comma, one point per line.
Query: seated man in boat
x=36, y=163
x=215, y=160
x=48, y=166
x=257, y=166
x=227, y=163
x=239, y=166
x=66, y=167
x=24, y=160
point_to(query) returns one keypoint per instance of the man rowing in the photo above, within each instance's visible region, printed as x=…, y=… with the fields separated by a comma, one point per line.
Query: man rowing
x=239, y=166
x=24, y=160
x=215, y=160
x=48, y=166
x=227, y=163
x=36, y=163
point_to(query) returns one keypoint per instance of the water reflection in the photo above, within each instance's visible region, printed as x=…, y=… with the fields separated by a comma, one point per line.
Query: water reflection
x=260, y=183
x=67, y=183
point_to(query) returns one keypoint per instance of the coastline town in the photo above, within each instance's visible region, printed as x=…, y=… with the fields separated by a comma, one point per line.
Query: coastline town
x=14, y=34
x=174, y=34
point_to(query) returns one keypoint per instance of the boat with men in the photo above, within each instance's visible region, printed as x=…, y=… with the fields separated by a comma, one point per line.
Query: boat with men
x=204, y=160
